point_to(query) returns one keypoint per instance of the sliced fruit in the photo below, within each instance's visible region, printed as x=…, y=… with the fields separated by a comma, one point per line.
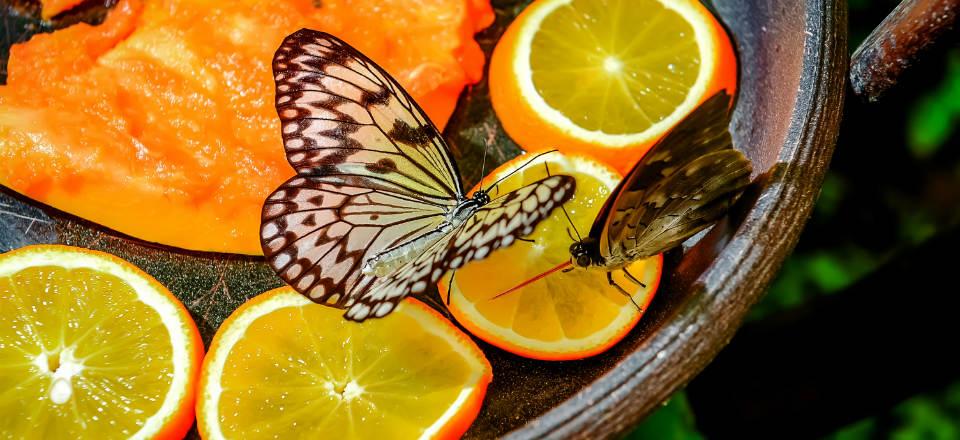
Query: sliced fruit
x=282, y=366
x=607, y=77
x=160, y=122
x=565, y=315
x=92, y=347
x=54, y=7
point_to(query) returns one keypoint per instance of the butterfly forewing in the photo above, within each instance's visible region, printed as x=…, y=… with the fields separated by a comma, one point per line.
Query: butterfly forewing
x=681, y=186
x=343, y=119
x=495, y=225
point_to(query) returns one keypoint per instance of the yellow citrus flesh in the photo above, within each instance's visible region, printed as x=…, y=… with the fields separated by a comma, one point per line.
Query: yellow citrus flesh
x=607, y=76
x=91, y=347
x=284, y=367
x=564, y=315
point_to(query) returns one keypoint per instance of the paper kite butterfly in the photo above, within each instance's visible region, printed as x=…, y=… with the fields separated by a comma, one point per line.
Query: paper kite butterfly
x=686, y=182
x=377, y=210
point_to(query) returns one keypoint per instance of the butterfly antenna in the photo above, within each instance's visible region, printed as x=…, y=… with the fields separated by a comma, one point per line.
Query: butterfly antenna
x=483, y=165
x=579, y=238
x=538, y=277
x=450, y=286
x=521, y=167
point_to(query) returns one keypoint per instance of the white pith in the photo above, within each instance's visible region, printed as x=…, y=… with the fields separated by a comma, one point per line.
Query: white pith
x=524, y=75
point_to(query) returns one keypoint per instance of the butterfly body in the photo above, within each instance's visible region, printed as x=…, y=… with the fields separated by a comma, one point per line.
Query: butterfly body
x=585, y=254
x=377, y=210
x=386, y=262
x=685, y=183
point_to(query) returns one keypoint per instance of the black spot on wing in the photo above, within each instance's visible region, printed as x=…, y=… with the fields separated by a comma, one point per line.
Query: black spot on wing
x=404, y=133
x=380, y=97
x=323, y=170
x=382, y=166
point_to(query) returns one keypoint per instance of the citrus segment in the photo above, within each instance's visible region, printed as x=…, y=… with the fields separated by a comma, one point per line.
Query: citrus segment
x=90, y=346
x=283, y=366
x=565, y=315
x=607, y=78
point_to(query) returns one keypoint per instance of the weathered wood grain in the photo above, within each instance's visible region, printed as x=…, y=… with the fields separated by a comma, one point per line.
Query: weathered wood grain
x=898, y=42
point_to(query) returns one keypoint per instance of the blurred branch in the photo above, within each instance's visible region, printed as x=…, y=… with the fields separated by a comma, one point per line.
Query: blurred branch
x=839, y=358
x=912, y=28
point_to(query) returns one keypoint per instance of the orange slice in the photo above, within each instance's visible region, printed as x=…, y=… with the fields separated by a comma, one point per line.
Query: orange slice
x=563, y=316
x=282, y=366
x=607, y=78
x=92, y=347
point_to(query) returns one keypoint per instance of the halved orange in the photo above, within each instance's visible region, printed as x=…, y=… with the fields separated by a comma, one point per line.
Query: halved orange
x=607, y=77
x=566, y=315
x=282, y=366
x=92, y=347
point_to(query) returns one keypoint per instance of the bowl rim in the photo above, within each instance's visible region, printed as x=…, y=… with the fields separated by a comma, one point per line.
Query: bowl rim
x=739, y=276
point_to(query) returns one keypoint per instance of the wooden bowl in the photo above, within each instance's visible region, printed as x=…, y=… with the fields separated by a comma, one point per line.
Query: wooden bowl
x=793, y=58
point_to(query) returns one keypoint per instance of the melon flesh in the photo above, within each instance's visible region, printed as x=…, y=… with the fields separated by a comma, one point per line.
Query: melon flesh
x=160, y=123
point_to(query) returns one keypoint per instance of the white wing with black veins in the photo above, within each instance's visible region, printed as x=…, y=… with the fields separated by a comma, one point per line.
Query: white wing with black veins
x=374, y=177
x=495, y=225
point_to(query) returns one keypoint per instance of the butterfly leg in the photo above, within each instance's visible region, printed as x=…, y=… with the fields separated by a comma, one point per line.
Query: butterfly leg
x=633, y=278
x=450, y=285
x=526, y=240
x=433, y=300
x=624, y=292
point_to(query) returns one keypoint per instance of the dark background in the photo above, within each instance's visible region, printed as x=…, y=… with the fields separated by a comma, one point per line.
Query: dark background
x=858, y=336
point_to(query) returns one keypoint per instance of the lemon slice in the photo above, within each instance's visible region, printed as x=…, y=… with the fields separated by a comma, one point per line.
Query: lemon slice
x=566, y=315
x=92, y=347
x=282, y=366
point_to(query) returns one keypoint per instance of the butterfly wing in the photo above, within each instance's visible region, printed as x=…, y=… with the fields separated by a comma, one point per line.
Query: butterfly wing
x=494, y=225
x=317, y=235
x=373, y=171
x=681, y=186
x=346, y=120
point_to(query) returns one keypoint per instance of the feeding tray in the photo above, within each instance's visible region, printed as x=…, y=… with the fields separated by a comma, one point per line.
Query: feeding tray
x=792, y=58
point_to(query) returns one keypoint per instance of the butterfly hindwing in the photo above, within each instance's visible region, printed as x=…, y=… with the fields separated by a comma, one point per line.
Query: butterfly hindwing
x=494, y=225
x=344, y=119
x=316, y=235
x=681, y=186
x=718, y=176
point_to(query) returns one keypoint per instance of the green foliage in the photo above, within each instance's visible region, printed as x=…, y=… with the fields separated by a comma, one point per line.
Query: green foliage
x=936, y=114
x=832, y=192
x=674, y=421
x=806, y=275
x=932, y=416
x=862, y=430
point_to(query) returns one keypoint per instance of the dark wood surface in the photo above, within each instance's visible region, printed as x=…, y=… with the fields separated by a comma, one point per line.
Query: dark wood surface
x=898, y=42
x=792, y=68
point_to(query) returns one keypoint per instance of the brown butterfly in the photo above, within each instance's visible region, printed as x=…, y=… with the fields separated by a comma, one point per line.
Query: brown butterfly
x=684, y=183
